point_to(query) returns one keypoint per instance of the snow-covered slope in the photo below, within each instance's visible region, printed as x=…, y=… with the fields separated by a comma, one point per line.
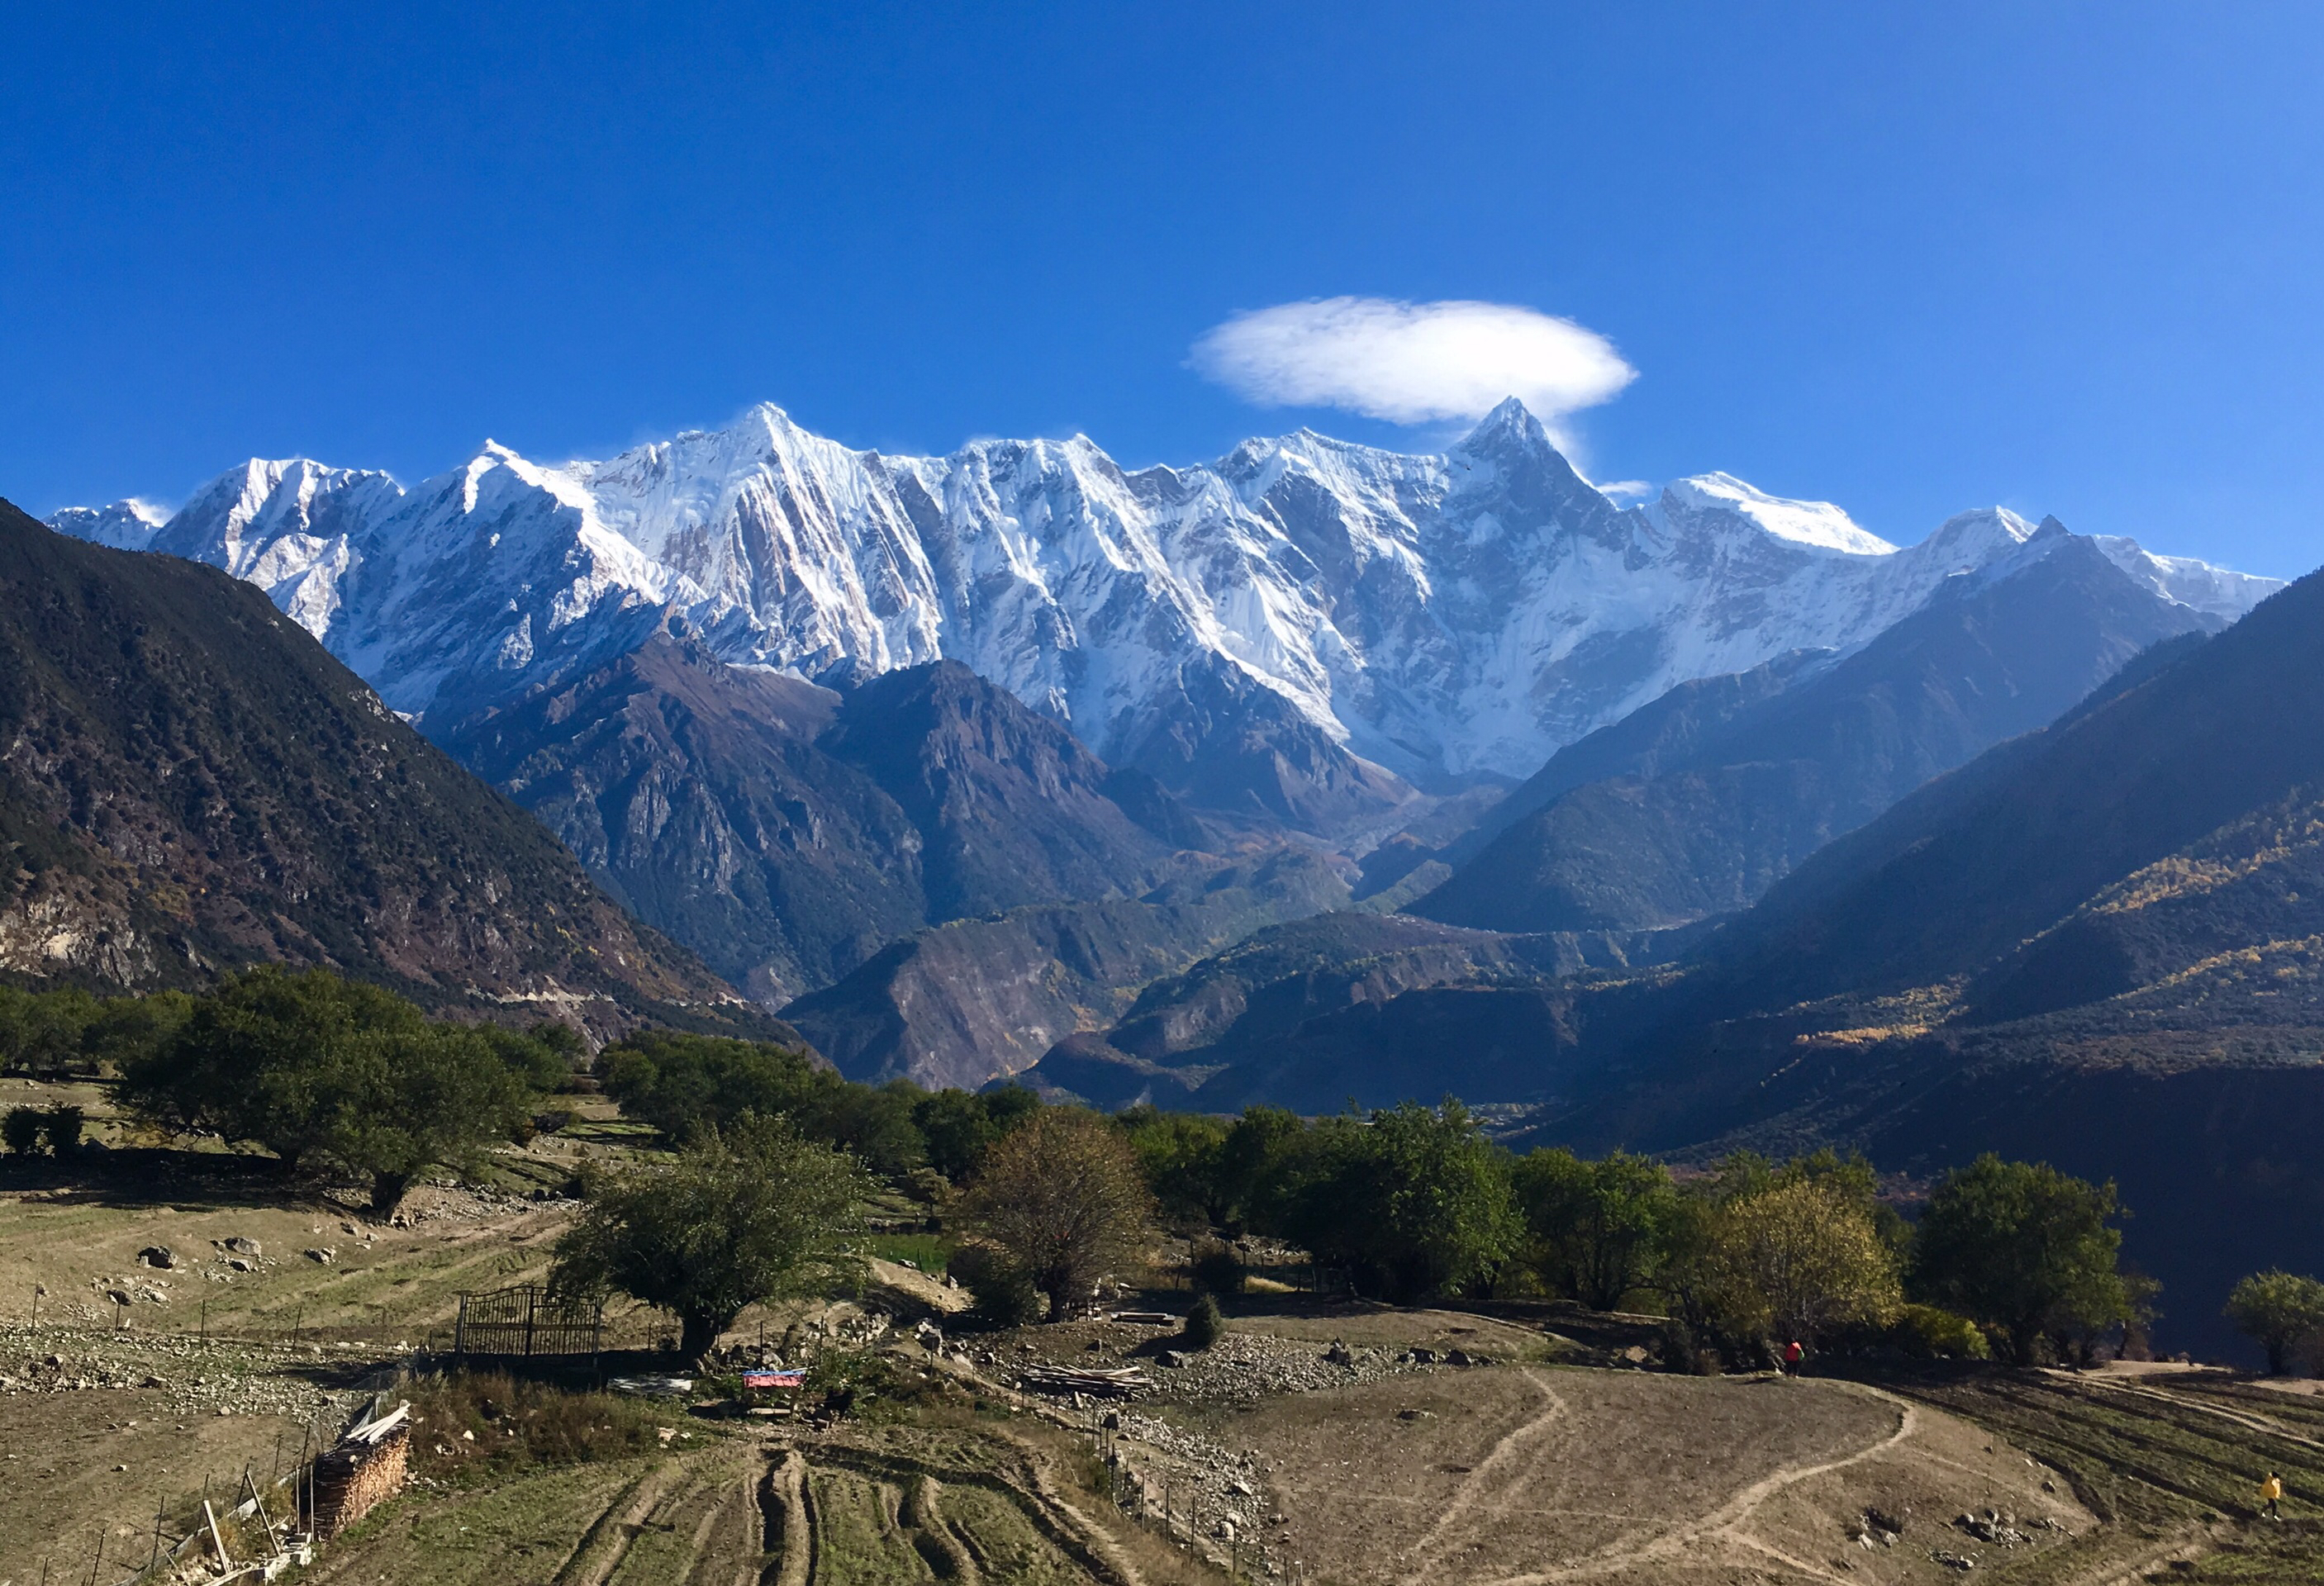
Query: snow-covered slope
x=1298, y=601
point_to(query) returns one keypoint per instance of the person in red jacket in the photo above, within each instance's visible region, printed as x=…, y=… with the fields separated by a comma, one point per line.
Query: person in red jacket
x=1793, y=1355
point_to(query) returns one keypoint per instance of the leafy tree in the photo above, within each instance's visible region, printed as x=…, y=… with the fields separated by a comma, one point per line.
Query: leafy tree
x=2279, y=1312
x=20, y=1130
x=682, y=1082
x=1182, y=1156
x=400, y=1100
x=1412, y=1200
x=1262, y=1163
x=250, y=1062
x=875, y=1123
x=43, y=1030
x=318, y=1069
x=1800, y=1261
x=1063, y=1199
x=752, y=1213
x=1596, y=1226
x=957, y=1128
x=2026, y=1249
x=127, y=1030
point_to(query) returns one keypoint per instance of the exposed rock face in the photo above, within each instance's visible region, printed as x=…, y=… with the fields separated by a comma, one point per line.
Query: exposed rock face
x=189, y=781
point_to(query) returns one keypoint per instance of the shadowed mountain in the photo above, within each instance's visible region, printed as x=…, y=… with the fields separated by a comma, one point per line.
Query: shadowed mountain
x=980, y=999
x=190, y=783
x=1696, y=805
x=788, y=832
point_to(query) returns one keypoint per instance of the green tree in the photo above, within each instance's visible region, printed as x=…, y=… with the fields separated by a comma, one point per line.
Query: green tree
x=2279, y=1312
x=1412, y=1200
x=1596, y=1227
x=319, y=1070
x=958, y=1127
x=1063, y=1199
x=254, y=1061
x=1263, y=1162
x=1182, y=1156
x=41, y=1031
x=1801, y=1260
x=2024, y=1248
x=749, y=1213
x=682, y=1084
x=128, y=1030
x=397, y=1100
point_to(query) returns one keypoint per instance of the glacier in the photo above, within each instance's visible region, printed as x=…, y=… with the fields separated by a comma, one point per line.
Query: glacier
x=1436, y=621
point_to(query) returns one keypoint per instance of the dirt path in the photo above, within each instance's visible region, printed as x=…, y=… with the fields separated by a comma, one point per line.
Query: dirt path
x=1725, y=1525
x=1492, y=1472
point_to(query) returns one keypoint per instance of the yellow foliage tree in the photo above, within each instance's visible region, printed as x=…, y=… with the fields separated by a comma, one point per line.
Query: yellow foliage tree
x=1801, y=1262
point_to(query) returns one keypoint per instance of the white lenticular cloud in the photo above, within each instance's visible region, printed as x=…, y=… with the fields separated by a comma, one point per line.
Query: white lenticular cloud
x=1411, y=362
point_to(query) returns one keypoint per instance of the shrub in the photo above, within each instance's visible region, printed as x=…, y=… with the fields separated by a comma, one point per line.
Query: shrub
x=62, y=1126
x=1932, y=1332
x=21, y=1129
x=1217, y=1268
x=1000, y=1295
x=1203, y=1323
x=520, y=1425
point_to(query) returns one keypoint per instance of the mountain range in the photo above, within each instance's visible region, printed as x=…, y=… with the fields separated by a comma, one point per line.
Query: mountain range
x=1302, y=632
x=953, y=759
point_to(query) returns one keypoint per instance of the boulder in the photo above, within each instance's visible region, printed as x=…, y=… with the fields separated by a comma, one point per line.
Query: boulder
x=161, y=1256
x=244, y=1246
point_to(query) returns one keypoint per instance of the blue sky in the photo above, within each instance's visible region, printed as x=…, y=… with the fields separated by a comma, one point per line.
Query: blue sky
x=1909, y=258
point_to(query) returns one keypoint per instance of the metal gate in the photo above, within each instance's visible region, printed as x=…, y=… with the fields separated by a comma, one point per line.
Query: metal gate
x=526, y=1320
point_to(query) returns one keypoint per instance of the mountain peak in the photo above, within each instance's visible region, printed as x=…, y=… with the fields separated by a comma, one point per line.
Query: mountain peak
x=1816, y=524
x=1510, y=424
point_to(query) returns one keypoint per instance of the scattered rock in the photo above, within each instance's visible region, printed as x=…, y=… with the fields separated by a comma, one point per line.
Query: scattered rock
x=1338, y=1354
x=239, y=1264
x=161, y=1256
x=323, y=1254
x=239, y=1246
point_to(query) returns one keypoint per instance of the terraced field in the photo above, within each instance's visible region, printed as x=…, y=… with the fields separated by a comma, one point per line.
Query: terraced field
x=2169, y=1462
x=868, y=1511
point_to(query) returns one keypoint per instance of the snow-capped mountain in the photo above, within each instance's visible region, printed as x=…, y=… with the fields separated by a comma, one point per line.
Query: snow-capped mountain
x=1297, y=601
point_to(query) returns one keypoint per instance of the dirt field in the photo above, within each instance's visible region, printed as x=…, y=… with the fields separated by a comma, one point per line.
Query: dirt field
x=1535, y=1473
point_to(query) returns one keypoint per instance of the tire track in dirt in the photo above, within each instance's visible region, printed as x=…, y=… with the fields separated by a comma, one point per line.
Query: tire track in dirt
x=1427, y=1553
x=1725, y=1524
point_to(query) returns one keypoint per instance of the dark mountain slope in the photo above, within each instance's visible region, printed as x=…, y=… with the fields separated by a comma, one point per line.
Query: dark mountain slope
x=1709, y=796
x=1977, y=863
x=188, y=782
x=787, y=832
x=1010, y=808
x=694, y=790
x=1250, y=1019
x=979, y=1000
